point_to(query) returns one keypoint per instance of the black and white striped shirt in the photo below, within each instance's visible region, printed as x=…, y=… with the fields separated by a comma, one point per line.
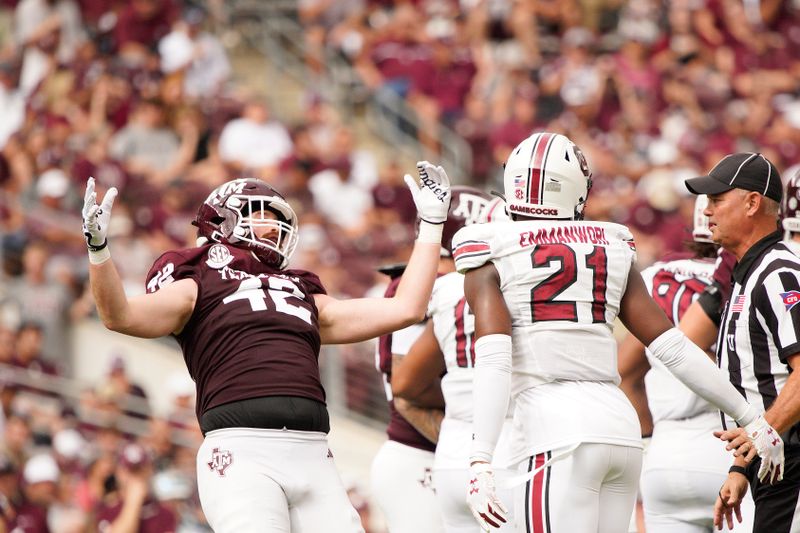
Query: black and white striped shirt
x=761, y=324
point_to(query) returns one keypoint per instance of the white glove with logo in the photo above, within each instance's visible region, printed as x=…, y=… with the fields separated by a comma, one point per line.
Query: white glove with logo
x=769, y=445
x=96, y=217
x=432, y=194
x=486, y=507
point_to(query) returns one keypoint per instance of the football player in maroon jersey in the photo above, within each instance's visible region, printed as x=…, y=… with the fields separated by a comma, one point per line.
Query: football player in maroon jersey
x=250, y=331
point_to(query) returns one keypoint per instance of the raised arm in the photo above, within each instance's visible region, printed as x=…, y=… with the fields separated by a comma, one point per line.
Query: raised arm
x=343, y=321
x=149, y=315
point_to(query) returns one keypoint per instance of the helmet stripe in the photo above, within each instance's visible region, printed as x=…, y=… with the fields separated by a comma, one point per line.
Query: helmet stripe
x=535, y=170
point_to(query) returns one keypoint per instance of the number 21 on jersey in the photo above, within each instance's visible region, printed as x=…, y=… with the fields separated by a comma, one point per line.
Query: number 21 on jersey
x=589, y=274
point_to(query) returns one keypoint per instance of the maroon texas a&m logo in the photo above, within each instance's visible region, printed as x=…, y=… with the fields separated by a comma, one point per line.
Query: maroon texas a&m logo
x=220, y=460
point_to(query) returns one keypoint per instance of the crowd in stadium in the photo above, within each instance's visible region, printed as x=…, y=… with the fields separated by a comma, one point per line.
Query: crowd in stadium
x=141, y=96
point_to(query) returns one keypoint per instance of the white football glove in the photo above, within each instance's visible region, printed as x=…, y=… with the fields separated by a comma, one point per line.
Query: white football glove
x=96, y=217
x=769, y=445
x=432, y=194
x=486, y=507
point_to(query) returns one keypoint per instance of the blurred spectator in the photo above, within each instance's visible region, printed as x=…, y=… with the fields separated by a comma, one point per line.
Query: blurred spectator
x=28, y=352
x=16, y=439
x=391, y=61
x=130, y=397
x=42, y=299
x=255, y=141
x=438, y=93
x=40, y=490
x=39, y=22
x=195, y=56
x=522, y=122
x=96, y=483
x=149, y=148
x=576, y=76
x=12, y=100
x=132, y=506
x=56, y=205
x=141, y=24
x=9, y=491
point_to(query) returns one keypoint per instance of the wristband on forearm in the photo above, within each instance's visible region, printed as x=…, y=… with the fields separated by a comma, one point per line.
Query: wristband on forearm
x=430, y=232
x=98, y=256
x=738, y=469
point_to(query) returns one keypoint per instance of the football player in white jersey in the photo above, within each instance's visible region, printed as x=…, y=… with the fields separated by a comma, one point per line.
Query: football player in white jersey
x=443, y=357
x=401, y=475
x=684, y=466
x=551, y=286
x=790, y=213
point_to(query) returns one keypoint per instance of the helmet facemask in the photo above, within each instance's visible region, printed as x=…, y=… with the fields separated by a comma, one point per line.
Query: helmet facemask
x=701, y=232
x=272, y=240
x=790, y=206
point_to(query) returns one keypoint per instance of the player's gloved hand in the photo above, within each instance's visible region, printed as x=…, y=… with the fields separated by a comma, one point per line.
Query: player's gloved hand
x=486, y=507
x=769, y=446
x=432, y=193
x=96, y=217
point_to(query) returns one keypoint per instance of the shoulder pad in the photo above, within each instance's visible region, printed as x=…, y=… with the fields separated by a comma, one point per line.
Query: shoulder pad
x=310, y=280
x=172, y=265
x=472, y=246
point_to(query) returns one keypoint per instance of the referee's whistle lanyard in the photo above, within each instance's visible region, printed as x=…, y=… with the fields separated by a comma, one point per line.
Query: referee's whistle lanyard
x=513, y=481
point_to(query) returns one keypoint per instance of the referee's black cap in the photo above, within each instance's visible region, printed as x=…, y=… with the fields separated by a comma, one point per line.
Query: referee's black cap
x=745, y=170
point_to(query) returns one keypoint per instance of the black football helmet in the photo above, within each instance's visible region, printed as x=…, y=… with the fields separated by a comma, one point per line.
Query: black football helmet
x=466, y=207
x=230, y=214
x=790, y=208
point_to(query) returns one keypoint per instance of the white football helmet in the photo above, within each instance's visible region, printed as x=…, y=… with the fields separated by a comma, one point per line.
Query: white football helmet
x=700, y=231
x=790, y=210
x=495, y=211
x=547, y=176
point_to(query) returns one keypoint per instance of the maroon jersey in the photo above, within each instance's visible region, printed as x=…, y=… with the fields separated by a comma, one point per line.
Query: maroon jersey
x=153, y=518
x=254, y=330
x=399, y=429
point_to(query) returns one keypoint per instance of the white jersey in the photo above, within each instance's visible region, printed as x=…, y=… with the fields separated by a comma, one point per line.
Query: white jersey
x=793, y=245
x=674, y=285
x=454, y=328
x=562, y=282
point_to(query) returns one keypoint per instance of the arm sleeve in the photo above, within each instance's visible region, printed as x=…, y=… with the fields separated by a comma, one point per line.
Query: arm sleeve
x=491, y=390
x=695, y=370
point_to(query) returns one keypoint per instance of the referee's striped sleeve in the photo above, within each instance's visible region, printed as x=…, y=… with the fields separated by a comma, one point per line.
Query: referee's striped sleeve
x=777, y=299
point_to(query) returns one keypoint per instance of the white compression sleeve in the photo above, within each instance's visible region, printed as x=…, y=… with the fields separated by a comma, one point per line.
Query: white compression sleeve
x=693, y=367
x=491, y=388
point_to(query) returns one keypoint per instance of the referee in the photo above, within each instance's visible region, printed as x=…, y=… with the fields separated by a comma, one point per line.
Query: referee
x=759, y=338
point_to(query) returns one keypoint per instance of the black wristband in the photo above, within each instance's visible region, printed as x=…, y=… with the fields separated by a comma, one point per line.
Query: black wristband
x=738, y=469
x=94, y=247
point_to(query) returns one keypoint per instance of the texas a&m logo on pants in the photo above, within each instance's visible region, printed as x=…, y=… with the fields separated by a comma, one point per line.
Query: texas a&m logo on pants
x=220, y=460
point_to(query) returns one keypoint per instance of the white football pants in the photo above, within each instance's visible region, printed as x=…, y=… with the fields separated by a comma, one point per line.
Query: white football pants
x=282, y=481
x=592, y=490
x=402, y=485
x=683, y=470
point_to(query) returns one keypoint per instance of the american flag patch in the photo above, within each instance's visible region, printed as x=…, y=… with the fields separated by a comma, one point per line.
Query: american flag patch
x=519, y=181
x=738, y=304
x=790, y=299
